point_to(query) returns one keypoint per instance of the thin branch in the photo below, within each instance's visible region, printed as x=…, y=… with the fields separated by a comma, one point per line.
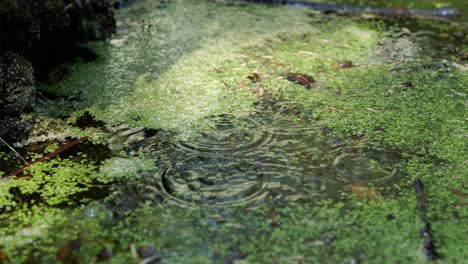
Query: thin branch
x=50, y=155
x=14, y=151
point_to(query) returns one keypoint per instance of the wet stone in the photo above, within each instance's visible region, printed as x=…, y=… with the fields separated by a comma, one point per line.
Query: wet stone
x=17, y=95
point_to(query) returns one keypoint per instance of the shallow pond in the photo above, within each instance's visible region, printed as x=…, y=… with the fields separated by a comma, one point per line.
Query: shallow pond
x=265, y=155
x=207, y=152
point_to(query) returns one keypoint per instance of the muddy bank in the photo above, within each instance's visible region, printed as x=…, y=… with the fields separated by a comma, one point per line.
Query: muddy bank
x=35, y=37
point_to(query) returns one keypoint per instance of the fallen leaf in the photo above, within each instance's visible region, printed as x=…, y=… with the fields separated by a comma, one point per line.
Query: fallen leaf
x=3, y=257
x=65, y=253
x=302, y=79
x=254, y=77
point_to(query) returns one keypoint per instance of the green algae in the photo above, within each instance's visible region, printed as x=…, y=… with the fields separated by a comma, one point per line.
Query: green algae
x=148, y=77
x=385, y=103
x=54, y=182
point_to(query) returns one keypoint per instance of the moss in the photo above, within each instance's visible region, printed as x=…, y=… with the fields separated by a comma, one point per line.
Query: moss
x=168, y=80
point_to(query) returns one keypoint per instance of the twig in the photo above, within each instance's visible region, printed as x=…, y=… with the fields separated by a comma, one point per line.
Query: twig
x=14, y=151
x=429, y=249
x=50, y=155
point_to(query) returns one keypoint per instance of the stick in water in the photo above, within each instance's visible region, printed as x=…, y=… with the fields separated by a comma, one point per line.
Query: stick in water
x=14, y=151
x=429, y=248
x=50, y=155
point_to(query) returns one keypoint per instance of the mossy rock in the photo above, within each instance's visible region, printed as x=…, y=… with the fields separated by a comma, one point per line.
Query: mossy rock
x=18, y=94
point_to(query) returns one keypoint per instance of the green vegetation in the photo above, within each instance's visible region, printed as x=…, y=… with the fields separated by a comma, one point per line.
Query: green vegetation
x=185, y=64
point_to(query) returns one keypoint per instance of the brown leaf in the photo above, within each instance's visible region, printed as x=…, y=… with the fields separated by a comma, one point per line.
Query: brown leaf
x=3, y=257
x=64, y=255
x=254, y=77
x=302, y=79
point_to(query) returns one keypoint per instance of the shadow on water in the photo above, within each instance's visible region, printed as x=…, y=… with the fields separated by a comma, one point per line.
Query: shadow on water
x=266, y=156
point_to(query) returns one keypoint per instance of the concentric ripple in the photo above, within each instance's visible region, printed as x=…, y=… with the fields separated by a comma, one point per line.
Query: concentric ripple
x=215, y=180
x=248, y=160
x=366, y=166
x=230, y=136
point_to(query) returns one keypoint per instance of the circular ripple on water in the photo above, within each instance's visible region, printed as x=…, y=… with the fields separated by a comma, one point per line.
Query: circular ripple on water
x=366, y=166
x=230, y=136
x=216, y=180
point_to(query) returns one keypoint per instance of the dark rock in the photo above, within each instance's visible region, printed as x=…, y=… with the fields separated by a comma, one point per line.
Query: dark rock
x=25, y=23
x=17, y=95
x=35, y=38
x=83, y=21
